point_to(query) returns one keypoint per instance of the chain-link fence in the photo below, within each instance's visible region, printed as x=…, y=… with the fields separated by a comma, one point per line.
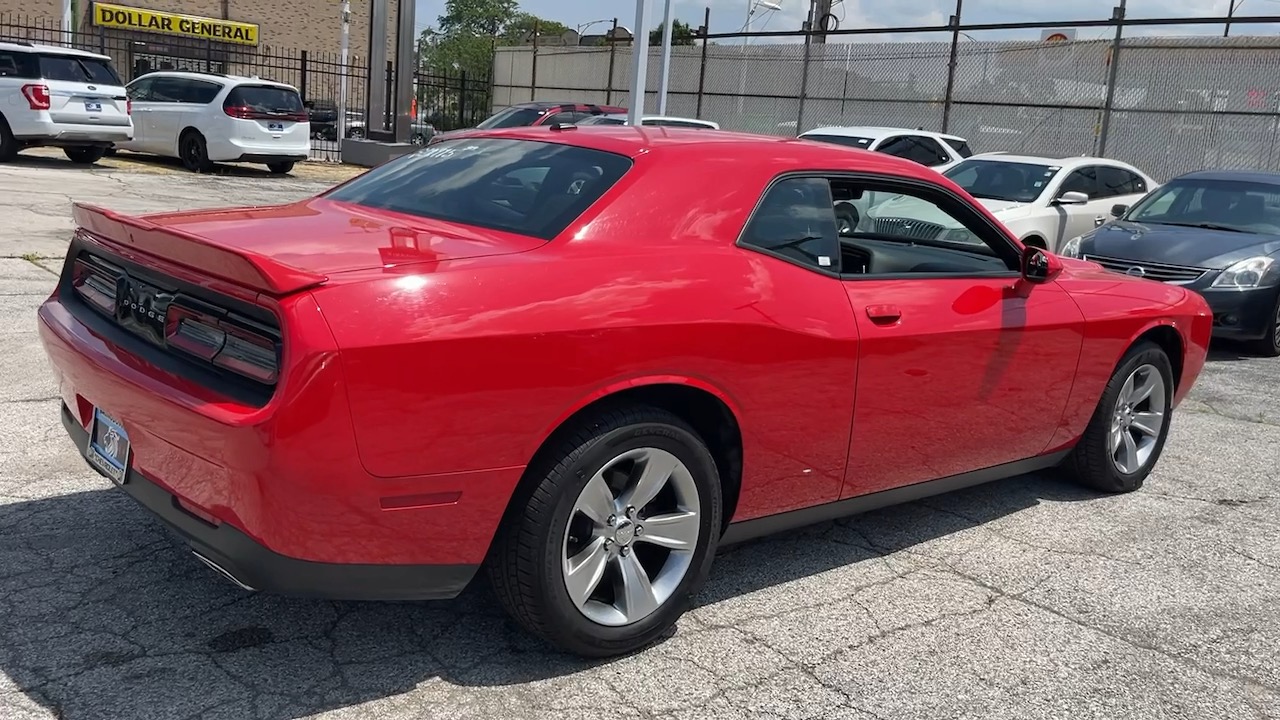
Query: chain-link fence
x=1176, y=104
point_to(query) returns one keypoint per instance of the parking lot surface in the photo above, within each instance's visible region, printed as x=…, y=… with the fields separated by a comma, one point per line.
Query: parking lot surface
x=1027, y=598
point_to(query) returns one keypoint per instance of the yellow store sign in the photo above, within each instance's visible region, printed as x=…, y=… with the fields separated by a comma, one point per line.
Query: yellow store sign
x=130, y=18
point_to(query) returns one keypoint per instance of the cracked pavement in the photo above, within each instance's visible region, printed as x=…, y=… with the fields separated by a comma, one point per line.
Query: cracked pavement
x=1027, y=598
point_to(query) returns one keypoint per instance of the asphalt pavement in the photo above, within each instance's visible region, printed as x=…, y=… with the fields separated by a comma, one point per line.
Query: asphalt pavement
x=1027, y=598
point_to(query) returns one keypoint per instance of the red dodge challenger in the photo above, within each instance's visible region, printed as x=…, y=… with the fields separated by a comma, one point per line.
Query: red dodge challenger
x=583, y=358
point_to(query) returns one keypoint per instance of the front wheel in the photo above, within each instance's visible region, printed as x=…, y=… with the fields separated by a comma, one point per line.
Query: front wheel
x=1126, y=435
x=280, y=168
x=84, y=155
x=604, y=552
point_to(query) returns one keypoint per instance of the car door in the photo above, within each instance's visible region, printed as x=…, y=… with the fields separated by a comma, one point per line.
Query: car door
x=917, y=148
x=139, y=93
x=962, y=365
x=170, y=108
x=1120, y=186
x=1080, y=219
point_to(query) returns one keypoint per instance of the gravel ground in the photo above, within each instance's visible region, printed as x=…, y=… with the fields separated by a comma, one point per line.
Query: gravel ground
x=1027, y=598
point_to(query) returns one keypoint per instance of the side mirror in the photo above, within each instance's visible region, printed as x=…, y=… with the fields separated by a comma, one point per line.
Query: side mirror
x=1119, y=210
x=1072, y=198
x=1039, y=265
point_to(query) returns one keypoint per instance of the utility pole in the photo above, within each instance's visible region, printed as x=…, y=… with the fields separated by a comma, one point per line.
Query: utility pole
x=344, y=59
x=1118, y=16
x=951, y=66
x=822, y=8
x=668, y=29
x=639, y=64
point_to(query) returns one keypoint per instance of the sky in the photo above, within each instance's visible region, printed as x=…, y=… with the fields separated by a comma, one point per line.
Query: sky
x=730, y=15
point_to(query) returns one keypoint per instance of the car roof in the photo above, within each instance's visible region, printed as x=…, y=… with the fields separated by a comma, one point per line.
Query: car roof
x=876, y=132
x=1061, y=162
x=695, y=144
x=214, y=77
x=1254, y=176
x=543, y=104
x=624, y=116
x=49, y=49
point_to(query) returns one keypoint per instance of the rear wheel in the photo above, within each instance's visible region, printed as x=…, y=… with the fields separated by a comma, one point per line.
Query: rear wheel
x=1127, y=433
x=418, y=139
x=1036, y=241
x=84, y=155
x=8, y=143
x=603, y=553
x=194, y=152
x=280, y=168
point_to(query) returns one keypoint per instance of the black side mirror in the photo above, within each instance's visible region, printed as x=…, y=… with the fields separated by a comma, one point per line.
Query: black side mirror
x=1039, y=265
x=1119, y=210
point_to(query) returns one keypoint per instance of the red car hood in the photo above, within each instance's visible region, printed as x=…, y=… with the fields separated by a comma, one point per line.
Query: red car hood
x=326, y=237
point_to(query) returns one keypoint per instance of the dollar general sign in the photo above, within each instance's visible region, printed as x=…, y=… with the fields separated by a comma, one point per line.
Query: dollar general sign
x=130, y=18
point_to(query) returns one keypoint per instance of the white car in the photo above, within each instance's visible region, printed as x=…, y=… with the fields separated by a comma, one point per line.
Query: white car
x=1043, y=201
x=59, y=97
x=935, y=150
x=205, y=118
x=655, y=120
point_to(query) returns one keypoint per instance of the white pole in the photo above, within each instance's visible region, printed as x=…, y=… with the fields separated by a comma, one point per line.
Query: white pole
x=343, y=60
x=742, y=71
x=66, y=23
x=639, y=63
x=668, y=29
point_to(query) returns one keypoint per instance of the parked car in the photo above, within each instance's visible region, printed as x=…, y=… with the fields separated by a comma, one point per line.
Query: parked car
x=323, y=116
x=206, y=118
x=554, y=354
x=1214, y=232
x=655, y=120
x=534, y=114
x=1043, y=201
x=59, y=97
x=936, y=150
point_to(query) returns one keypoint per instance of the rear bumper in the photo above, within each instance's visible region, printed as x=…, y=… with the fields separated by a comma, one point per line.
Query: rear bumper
x=258, y=151
x=1242, y=314
x=51, y=133
x=254, y=567
x=268, y=158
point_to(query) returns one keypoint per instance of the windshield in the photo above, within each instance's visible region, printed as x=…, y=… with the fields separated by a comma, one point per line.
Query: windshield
x=1214, y=204
x=1000, y=180
x=511, y=117
x=519, y=186
x=846, y=140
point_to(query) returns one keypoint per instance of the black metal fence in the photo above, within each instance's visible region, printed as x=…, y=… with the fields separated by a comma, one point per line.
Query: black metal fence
x=1159, y=92
x=444, y=101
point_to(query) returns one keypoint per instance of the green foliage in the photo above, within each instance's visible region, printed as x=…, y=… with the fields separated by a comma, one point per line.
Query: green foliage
x=469, y=30
x=681, y=34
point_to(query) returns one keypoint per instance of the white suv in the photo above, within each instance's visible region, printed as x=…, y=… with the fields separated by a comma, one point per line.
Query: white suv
x=204, y=118
x=59, y=97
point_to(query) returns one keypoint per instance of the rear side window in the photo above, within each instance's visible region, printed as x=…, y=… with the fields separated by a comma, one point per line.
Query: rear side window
x=71, y=68
x=518, y=186
x=961, y=147
x=17, y=65
x=511, y=117
x=265, y=99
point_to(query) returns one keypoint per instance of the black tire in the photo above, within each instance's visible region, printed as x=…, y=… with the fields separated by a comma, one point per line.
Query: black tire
x=8, y=143
x=1036, y=241
x=524, y=565
x=110, y=152
x=194, y=152
x=1091, y=462
x=418, y=139
x=847, y=218
x=356, y=133
x=280, y=168
x=84, y=155
x=1269, y=345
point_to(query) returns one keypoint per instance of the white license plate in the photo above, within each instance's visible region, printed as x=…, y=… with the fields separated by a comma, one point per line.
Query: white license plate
x=108, y=446
x=92, y=106
x=275, y=127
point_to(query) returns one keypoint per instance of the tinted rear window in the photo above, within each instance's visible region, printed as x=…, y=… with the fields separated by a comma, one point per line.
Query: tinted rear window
x=70, y=68
x=857, y=142
x=19, y=65
x=519, y=186
x=265, y=98
x=512, y=117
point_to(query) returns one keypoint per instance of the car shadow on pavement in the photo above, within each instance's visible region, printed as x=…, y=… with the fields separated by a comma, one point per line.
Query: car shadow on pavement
x=175, y=165
x=103, y=614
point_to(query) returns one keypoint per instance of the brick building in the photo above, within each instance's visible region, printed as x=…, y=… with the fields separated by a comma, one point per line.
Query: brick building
x=232, y=36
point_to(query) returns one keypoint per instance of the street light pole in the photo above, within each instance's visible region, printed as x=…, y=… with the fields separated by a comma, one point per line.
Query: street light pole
x=639, y=64
x=668, y=29
x=344, y=59
x=1232, y=5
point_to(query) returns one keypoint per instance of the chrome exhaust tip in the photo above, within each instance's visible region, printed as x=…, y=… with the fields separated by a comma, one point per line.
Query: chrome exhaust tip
x=222, y=571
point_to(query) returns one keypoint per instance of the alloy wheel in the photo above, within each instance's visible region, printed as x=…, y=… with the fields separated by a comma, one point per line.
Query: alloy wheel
x=631, y=536
x=1140, y=414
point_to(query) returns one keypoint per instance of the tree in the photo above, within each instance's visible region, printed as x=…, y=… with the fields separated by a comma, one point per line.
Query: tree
x=519, y=31
x=476, y=17
x=681, y=34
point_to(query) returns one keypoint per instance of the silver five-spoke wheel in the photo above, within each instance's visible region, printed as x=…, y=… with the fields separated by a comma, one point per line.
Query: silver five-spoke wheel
x=631, y=536
x=1139, y=416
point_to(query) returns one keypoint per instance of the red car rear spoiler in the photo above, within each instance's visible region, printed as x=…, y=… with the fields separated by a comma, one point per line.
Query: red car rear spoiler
x=237, y=265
